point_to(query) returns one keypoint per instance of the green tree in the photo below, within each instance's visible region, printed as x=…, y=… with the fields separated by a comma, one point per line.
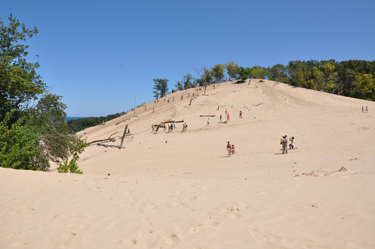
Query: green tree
x=244, y=73
x=30, y=137
x=232, y=69
x=56, y=143
x=364, y=87
x=258, y=72
x=217, y=72
x=330, y=76
x=179, y=86
x=278, y=73
x=160, y=87
x=18, y=143
x=19, y=82
x=186, y=82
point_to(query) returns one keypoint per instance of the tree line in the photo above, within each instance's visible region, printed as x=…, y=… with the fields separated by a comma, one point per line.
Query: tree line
x=33, y=130
x=76, y=125
x=353, y=78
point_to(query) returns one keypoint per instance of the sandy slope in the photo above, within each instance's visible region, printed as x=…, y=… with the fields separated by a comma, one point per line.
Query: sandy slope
x=180, y=190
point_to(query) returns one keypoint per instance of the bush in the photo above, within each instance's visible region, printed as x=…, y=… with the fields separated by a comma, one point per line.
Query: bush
x=18, y=143
x=71, y=166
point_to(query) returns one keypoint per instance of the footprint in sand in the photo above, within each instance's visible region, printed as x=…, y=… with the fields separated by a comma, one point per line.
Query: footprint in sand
x=73, y=242
x=200, y=226
x=164, y=241
x=51, y=217
x=237, y=207
x=182, y=206
x=148, y=208
x=144, y=231
x=128, y=241
x=206, y=187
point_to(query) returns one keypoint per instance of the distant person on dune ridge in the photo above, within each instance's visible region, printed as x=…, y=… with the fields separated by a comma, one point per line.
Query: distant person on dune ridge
x=103, y=123
x=366, y=109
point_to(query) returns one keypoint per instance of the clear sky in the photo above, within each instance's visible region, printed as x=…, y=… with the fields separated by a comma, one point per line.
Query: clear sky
x=82, y=44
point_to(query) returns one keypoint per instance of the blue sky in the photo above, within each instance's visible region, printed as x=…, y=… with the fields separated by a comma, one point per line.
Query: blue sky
x=82, y=44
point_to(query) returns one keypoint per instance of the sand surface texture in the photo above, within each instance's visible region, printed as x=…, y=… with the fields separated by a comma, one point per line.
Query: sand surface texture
x=181, y=190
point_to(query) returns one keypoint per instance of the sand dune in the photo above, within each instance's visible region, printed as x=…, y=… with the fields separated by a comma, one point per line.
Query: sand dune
x=181, y=190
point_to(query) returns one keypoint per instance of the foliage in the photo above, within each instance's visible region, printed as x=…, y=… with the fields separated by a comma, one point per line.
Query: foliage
x=278, y=73
x=186, y=82
x=244, y=73
x=217, y=72
x=31, y=136
x=205, y=76
x=364, y=87
x=232, y=69
x=259, y=72
x=160, y=87
x=71, y=167
x=76, y=125
x=18, y=143
x=19, y=82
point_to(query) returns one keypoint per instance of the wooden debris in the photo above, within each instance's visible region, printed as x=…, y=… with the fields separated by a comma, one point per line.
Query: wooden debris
x=211, y=116
x=167, y=122
x=112, y=146
x=123, y=136
x=105, y=140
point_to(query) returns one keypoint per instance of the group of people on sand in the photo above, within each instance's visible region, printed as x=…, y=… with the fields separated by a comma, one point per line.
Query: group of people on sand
x=285, y=143
x=365, y=110
x=228, y=116
x=171, y=127
x=230, y=149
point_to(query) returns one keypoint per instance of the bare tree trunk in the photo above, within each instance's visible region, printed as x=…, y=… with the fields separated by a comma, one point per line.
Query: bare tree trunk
x=123, y=136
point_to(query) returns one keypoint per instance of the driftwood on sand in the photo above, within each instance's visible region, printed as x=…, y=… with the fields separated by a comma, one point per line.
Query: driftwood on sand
x=123, y=136
x=211, y=116
x=113, y=146
x=168, y=122
x=104, y=140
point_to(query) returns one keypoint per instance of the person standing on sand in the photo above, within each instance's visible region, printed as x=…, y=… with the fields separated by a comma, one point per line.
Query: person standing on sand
x=291, y=145
x=366, y=108
x=228, y=118
x=283, y=144
x=233, y=149
x=286, y=144
x=229, y=148
x=153, y=109
x=174, y=124
x=221, y=117
x=240, y=114
x=363, y=109
x=208, y=121
x=153, y=128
